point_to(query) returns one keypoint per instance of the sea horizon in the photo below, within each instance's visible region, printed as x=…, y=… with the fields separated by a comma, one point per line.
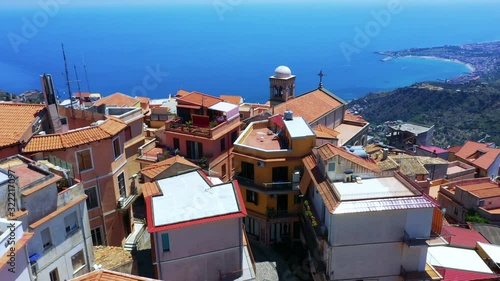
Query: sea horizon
x=198, y=48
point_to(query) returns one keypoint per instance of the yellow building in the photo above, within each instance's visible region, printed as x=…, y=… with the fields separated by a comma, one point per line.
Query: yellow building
x=267, y=164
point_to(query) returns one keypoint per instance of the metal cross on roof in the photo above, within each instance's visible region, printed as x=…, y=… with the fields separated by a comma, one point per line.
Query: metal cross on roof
x=320, y=74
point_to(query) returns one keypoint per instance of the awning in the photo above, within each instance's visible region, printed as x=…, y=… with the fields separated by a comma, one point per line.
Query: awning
x=278, y=120
x=189, y=106
x=34, y=257
x=223, y=106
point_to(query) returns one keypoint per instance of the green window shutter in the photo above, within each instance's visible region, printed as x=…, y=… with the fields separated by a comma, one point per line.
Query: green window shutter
x=165, y=242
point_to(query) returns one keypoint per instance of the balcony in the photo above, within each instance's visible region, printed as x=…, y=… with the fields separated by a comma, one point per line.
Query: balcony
x=271, y=187
x=428, y=274
x=315, y=241
x=125, y=203
x=276, y=214
x=412, y=241
x=212, y=130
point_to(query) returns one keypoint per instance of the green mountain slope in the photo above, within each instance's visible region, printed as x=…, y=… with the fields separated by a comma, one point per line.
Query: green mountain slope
x=460, y=112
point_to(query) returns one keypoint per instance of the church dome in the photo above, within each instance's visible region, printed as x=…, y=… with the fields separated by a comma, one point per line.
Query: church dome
x=282, y=72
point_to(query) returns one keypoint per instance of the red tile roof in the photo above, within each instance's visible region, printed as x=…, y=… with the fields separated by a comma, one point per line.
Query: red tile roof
x=150, y=189
x=232, y=99
x=324, y=188
x=155, y=169
x=108, y=275
x=455, y=149
x=108, y=129
x=117, y=99
x=433, y=149
x=348, y=115
x=240, y=214
x=324, y=132
x=462, y=275
x=462, y=237
x=485, y=160
x=16, y=119
x=312, y=105
x=199, y=99
x=329, y=150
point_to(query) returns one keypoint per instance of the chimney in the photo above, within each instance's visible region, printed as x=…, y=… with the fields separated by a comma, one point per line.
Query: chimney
x=385, y=152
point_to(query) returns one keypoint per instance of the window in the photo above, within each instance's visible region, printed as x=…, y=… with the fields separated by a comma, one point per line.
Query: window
x=64, y=121
x=54, y=275
x=176, y=144
x=234, y=136
x=70, y=222
x=128, y=133
x=331, y=166
x=84, y=159
x=96, y=236
x=117, y=148
x=223, y=170
x=78, y=261
x=247, y=170
x=92, y=200
x=251, y=226
x=165, y=241
x=222, y=144
x=46, y=240
x=194, y=150
x=121, y=185
x=252, y=197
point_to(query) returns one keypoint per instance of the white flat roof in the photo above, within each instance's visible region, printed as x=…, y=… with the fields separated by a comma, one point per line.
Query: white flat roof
x=189, y=197
x=372, y=188
x=493, y=251
x=298, y=127
x=456, y=258
x=223, y=106
x=412, y=128
x=3, y=177
x=389, y=204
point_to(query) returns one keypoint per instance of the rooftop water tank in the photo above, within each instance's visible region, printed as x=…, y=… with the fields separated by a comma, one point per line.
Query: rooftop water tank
x=288, y=115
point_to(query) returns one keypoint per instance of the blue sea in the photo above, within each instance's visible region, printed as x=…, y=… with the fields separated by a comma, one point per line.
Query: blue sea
x=155, y=48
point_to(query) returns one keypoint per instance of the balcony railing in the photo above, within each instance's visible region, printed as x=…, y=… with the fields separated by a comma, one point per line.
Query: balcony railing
x=274, y=214
x=313, y=244
x=124, y=203
x=176, y=125
x=265, y=187
x=412, y=241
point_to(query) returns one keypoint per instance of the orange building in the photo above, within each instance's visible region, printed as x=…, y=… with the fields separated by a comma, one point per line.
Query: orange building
x=268, y=167
x=95, y=156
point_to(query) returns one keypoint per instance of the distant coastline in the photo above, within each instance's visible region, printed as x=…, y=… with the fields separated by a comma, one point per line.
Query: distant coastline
x=468, y=65
x=479, y=58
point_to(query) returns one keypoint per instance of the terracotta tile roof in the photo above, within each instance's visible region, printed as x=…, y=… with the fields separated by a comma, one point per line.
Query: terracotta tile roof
x=329, y=150
x=324, y=188
x=196, y=98
x=409, y=165
x=16, y=119
x=482, y=188
x=484, y=161
x=20, y=244
x=348, y=115
x=142, y=99
x=150, y=189
x=454, y=149
x=108, y=275
x=182, y=93
x=117, y=99
x=232, y=99
x=111, y=257
x=463, y=237
x=155, y=169
x=311, y=105
x=324, y=132
x=110, y=128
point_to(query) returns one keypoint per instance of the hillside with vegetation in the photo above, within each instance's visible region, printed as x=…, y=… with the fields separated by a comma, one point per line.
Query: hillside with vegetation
x=460, y=112
x=5, y=96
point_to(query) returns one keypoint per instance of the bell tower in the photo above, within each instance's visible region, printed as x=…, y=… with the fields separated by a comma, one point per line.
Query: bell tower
x=281, y=85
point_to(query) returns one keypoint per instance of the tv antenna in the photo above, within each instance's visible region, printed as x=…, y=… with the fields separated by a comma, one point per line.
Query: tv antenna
x=78, y=84
x=67, y=81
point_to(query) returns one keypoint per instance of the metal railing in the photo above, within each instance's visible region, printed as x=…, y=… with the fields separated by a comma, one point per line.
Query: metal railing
x=265, y=187
x=415, y=241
